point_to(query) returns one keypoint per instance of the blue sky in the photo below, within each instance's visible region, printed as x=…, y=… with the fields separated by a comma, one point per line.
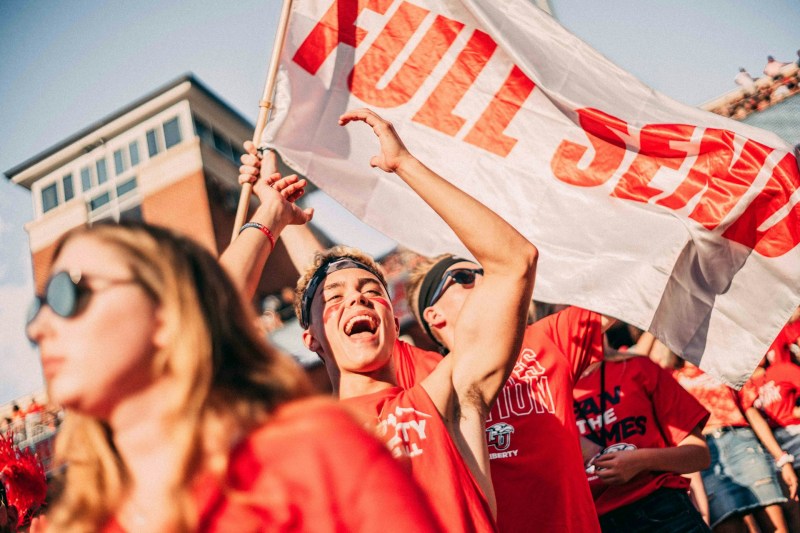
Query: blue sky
x=65, y=65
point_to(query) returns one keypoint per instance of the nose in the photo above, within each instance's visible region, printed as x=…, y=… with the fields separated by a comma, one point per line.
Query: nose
x=356, y=297
x=36, y=328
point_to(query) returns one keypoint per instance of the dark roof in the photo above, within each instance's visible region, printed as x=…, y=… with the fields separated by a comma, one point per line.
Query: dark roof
x=10, y=173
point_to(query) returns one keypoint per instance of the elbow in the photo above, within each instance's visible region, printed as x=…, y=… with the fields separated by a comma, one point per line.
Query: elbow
x=528, y=258
x=704, y=459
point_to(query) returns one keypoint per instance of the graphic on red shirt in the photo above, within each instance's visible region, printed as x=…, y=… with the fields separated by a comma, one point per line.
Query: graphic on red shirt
x=531, y=431
x=775, y=393
x=410, y=425
x=641, y=406
x=717, y=398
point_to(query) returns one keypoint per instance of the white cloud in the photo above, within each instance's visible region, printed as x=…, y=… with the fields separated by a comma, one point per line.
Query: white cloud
x=20, y=369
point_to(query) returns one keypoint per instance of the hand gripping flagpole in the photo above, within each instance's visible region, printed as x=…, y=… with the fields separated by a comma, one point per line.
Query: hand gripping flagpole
x=263, y=114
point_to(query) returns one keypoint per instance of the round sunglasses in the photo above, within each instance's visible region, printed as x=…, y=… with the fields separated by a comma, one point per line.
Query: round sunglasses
x=67, y=293
x=462, y=276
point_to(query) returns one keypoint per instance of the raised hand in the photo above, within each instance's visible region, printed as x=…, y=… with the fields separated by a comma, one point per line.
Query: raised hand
x=273, y=189
x=393, y=151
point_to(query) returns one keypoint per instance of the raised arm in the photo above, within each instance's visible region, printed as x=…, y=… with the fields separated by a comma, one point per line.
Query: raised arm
x=245, y=257
x=490, y=326
x=486, y=343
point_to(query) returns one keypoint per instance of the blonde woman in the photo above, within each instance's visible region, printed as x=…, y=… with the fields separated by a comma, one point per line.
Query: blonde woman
x=179, y=417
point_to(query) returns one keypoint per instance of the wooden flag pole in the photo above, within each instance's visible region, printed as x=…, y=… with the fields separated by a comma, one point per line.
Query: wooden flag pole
x=264, y=108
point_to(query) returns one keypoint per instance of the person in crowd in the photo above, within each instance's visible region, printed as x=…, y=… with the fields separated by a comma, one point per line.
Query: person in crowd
x=530, y=431
x=784, y=349
x=741, y=479
x=773, y=68
x=745, y=81
x=180, y=417
x=438, y=423
x=647, y=432
x=769, y=400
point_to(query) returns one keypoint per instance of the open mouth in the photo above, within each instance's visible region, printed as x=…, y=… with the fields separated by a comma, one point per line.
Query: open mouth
x=361, y=325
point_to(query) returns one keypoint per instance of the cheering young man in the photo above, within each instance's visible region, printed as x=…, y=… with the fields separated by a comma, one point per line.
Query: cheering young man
x=437, y=424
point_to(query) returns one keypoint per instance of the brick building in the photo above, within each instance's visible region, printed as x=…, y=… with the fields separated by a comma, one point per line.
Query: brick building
x=170, y=158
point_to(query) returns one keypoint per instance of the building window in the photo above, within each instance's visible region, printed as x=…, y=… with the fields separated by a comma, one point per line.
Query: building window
x=102, y=172
x=119, y=162
x=223, y=145
x=126, y=187
x=86, y=178
x=69, y=191
x=133, y=148
x=152, y=143
x=134, y=213
x=237, y=154
x=49, y=197
x=203, y=131
x=172, y=133
x=99, y=201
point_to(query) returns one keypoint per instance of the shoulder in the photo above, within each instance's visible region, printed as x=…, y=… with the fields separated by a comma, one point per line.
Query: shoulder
x=305, y=426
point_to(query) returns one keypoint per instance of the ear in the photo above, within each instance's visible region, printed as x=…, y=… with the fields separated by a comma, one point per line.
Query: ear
x=162, y=332
x=397, y=326
x=311, y=342
x=434, y=317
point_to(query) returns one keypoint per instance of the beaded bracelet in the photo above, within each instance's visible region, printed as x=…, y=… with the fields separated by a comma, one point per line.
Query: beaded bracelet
x=262, y=228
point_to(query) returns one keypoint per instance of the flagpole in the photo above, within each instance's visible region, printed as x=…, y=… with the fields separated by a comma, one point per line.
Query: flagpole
x=265, y=104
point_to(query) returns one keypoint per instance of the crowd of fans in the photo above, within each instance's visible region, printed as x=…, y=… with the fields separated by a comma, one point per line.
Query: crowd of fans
x=181, y=418
x=780, y=80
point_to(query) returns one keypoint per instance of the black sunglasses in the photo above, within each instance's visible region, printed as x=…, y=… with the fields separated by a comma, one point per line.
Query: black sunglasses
x=66, y=293
x=462, y=276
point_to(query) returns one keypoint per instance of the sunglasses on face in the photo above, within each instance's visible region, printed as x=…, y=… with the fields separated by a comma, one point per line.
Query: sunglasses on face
x=462, y=276
x=67, y=293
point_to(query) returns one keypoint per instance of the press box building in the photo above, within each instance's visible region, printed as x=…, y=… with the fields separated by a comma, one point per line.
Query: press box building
x=171, y=158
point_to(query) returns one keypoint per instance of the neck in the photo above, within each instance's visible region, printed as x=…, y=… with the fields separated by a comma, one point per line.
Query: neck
x=142, y=430
x=353, y=384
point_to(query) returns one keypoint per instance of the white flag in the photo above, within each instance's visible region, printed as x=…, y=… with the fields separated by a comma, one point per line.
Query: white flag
x=675, y=220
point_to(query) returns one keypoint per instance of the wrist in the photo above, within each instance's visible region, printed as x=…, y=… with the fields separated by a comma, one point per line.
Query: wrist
x=271, y=216
x=785, y=459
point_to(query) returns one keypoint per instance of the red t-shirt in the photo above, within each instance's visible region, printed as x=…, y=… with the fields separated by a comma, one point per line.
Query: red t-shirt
x=774, y=392
x=778, y=351
x=537, y=466
x=645, y=408
x=311, y=468
x=410, y=425
x=412, y=364
x=720, y=400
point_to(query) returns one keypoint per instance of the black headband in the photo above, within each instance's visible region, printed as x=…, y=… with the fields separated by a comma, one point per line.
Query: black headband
x=428, y=287
x=329, y=266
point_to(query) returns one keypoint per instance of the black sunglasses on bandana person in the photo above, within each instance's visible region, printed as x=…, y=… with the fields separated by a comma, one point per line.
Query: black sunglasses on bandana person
x=462, y=276
x=67, y=294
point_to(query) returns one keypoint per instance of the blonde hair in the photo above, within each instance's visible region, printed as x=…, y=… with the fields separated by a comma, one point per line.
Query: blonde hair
x=328, y=256
x=228, y=376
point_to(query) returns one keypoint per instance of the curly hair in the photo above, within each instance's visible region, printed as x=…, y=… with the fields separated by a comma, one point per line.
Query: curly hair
x=326, y=257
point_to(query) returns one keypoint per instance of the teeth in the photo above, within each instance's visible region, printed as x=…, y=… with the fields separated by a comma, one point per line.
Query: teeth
x=348, y=328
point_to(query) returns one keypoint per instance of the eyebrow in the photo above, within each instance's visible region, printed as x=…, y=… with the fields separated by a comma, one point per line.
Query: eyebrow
x=360, y=284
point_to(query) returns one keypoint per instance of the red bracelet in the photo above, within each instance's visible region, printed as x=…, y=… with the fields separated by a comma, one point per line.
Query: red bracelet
x=262, y=228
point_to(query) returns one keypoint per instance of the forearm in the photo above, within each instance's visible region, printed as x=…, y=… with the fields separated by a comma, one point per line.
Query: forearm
x=679, y=459
x=246, y=256
x=301, y=245
x=478, y=227
x=763, y=432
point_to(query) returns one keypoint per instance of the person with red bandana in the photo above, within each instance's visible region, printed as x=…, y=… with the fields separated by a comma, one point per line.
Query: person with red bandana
x=437, y=424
